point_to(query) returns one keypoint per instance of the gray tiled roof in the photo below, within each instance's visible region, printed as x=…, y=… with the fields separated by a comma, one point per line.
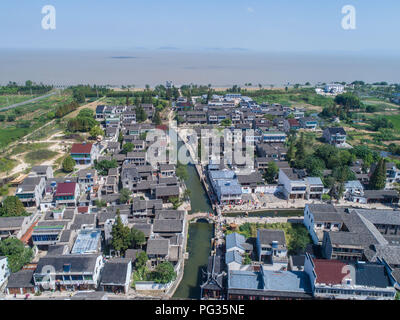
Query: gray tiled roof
x=11, y=222
x=21, y=279
x=157, y=246
x=115, y=272
x=266, y=236
x=167, y=225
x=79, y=263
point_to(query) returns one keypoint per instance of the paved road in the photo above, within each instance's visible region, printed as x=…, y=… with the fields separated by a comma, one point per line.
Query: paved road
x=28, y=101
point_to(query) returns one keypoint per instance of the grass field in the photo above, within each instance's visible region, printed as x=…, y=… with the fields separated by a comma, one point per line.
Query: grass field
x=29, y=117
x=7, y=164
x=24, y=147
x=38, y=156
x=6, y=100
x=395, y=120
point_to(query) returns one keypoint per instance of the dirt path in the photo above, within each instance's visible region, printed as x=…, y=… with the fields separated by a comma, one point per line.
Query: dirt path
x=91, y=105
x=59, y=146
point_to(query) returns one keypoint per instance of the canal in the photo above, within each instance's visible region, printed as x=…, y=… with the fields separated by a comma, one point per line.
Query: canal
x=198, y=246
x=199, y=238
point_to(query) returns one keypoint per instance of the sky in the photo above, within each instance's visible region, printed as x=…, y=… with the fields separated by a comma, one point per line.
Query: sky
x=206, y=25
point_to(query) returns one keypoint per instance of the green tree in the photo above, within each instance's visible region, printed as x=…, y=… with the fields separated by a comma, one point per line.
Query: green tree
x=86, y=112
x=125, y=195
x=121, y=235
x=141, y=259
x=156, y=118
x=68, y=164
x=127, y=147
x=187, y=193
x=348, y=101
x=164, y=273
x=79, y=96
x=17, y=254
x=12, y=207
x=226, y=122
x=104, y=165
x=96, y=131
x=100, y=203
x=120, y=137
x=176, y=202
x=246, y=259
x=291, y=153
x=271, y=172
x=141, y=115
x=138, y=238
x=378, y=177
x=181, y=171
x=301, y=148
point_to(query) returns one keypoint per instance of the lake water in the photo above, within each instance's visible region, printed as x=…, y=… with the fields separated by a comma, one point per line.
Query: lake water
x=63, y=67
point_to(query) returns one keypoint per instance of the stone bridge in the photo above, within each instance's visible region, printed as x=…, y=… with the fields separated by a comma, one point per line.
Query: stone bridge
x=201, y=215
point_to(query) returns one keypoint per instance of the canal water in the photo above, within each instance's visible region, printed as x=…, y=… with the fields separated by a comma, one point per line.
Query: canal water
x=199, y=238
x=199, y=200
x=198, y=246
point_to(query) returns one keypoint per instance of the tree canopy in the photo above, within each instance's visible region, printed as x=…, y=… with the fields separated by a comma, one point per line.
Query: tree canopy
x=68, y=164
x=121, y=235
x=17, y=254
x=164, y=273
x=124, y=195
x=12, y=207
x=378, y=177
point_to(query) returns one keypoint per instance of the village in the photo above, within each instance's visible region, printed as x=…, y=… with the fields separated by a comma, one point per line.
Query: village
x=114, y=224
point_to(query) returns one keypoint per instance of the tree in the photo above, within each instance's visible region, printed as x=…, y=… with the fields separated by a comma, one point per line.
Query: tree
x=181, y=171
x=271, y=172
x=121, y=235
x=12, y=207
x=300, y=148
x=315, y=166
x=156, y=118
x=68, y=164
x=100, y=203
x=291, y=153
x=176, y=202
x=246, y=259
x=79, y=96
x=187, y=193
x=381, y=123
x=378, y=177
x=127, y=147
x=226, y=122
x=120, y=137
x=96, y=131
x=124, y=195
x=104, y=165
x=141, y=259
x=141, y=115
x=164, y=273
x=138, y=238
x=86, y=112
x=348, y=101
x=15, y=251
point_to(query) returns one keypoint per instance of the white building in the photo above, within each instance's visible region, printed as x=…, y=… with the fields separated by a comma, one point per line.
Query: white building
x=4, y=270
x=334, y=88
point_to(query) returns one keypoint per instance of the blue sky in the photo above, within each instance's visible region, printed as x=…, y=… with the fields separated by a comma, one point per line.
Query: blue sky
x=210, y=25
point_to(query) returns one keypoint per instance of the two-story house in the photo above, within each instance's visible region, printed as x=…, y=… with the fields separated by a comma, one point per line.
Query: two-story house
x=69, y=272
x=84, y=153
x=335, y=136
